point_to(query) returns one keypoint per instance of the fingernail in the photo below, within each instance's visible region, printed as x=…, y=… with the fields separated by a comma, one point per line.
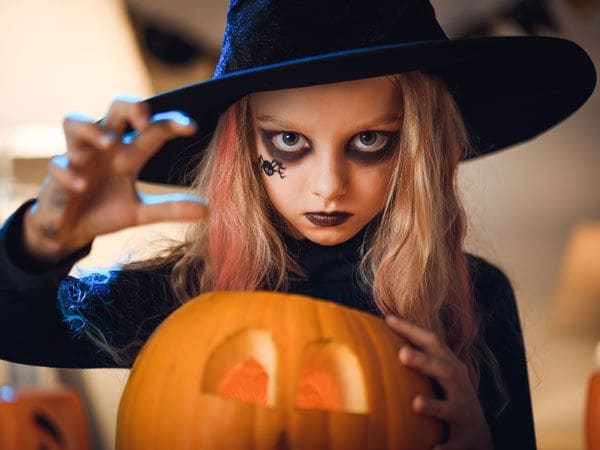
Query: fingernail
x=419, y=402
x=61, y=161
x=175, y=116
x=405, y=353
x=185, y=121
x=200, y=201
x=127, y=98
x=390, y=318
x=182, y=120
x=79, y=117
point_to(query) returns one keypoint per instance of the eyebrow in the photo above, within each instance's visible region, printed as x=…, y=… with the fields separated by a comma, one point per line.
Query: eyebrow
x=390, y=118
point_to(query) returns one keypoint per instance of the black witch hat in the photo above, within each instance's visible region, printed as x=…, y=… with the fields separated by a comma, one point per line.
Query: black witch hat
x=509, y=89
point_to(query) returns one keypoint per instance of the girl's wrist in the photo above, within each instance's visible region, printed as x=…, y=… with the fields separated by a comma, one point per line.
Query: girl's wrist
x=41, y=249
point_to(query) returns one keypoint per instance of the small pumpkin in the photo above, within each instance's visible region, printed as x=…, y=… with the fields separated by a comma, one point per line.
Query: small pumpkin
x=592, y=419
x=272, y=371
x=38, y=418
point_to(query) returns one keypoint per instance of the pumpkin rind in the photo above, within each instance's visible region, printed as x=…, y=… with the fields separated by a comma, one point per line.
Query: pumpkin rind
x=164, y=404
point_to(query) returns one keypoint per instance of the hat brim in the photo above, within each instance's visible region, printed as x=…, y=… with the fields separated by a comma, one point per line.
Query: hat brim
x=509, y=89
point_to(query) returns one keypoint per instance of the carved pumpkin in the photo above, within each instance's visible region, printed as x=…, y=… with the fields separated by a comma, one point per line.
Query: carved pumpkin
x=272, y=371
x=35, y=418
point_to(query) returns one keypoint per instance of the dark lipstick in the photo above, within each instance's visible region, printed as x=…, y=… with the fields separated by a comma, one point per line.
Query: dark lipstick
x=322, y=219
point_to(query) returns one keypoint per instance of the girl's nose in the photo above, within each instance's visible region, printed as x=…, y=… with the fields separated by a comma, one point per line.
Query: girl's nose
x=329, y=179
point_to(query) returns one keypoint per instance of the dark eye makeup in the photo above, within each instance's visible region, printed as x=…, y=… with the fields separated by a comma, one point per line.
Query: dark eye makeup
x=382, y=141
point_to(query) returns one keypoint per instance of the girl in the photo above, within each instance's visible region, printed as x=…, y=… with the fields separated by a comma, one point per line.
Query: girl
x=326, y=146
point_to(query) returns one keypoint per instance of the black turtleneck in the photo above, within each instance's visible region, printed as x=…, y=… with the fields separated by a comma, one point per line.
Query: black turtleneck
x=331, y=271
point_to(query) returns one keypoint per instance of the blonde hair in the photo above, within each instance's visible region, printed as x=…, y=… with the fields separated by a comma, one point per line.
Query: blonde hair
x=413, y=263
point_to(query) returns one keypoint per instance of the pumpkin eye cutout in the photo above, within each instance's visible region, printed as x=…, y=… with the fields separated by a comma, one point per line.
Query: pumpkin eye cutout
x=331, y=378
x=242, y=367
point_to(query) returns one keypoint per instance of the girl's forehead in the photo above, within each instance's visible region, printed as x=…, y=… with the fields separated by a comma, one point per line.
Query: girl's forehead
x=365, y=97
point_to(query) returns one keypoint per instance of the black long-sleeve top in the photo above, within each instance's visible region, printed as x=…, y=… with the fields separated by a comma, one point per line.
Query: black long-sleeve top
x=40, y=322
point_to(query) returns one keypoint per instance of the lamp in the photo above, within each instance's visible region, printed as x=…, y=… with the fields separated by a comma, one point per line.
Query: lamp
x=58, y=57
x=577, y=303
x=577, y=309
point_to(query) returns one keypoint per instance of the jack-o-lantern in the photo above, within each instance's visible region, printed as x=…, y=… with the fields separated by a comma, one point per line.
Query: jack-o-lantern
x=37, y=418
x=272, y=371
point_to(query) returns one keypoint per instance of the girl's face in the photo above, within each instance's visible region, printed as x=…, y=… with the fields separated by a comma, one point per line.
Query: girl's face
x=325, y=149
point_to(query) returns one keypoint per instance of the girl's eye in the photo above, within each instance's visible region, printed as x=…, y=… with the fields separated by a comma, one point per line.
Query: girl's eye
x=289, y=141
x=294, y=143
x=370, y=141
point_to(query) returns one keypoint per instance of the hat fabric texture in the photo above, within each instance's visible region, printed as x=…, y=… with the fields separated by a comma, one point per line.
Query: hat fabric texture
x=509, y=88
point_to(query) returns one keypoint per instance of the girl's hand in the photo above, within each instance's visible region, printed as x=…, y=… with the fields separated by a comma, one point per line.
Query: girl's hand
x=90, y=190
x=461, y=408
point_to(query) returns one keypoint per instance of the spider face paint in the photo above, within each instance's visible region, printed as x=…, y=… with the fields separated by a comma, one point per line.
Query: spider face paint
x=270, y=167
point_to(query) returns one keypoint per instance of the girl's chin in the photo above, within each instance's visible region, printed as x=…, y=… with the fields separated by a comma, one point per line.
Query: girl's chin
x=329, y=235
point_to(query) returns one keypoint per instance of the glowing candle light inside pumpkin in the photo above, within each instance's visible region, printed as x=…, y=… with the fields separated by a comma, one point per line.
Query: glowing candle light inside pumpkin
x=246, y=381
x=317, y=389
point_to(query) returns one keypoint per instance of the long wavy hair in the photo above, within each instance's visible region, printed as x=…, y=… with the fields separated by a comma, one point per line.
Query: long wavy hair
x=414, y=264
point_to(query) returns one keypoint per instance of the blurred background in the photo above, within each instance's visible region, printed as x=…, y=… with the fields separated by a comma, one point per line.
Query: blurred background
x=534, y=209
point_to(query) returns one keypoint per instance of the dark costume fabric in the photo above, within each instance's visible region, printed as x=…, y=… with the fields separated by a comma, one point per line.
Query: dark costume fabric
x=41, y=311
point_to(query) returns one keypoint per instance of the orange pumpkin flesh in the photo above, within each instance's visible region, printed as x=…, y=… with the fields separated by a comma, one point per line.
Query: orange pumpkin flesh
x=272, y=371
x=318, y=390
x=247, y=382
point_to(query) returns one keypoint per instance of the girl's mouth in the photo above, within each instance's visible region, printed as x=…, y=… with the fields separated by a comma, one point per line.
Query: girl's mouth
x=322, y=219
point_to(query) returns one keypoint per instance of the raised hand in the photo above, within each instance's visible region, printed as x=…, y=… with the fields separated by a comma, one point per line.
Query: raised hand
x=460, y=408
x=90, y=190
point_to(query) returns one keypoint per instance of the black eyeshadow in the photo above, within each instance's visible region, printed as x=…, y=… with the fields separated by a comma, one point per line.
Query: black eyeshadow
x=367, y=158
x=274, y=152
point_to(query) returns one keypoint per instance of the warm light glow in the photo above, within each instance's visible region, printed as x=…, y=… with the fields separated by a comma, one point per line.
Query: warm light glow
x=31, y=141
x=246, y=381
x=60, y=57
x=243, y=367
x=317, y=389
x=331, y=378
x=577, y=306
